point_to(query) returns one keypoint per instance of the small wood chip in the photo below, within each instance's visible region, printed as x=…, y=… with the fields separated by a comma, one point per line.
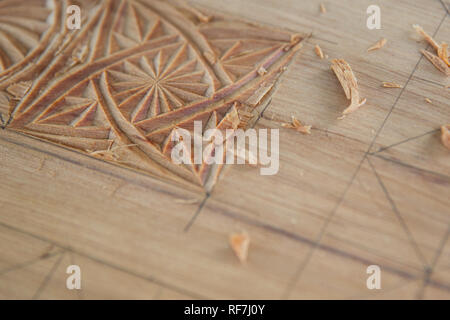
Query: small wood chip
x=378, y=45
x=322, y=8
x=296, y=38
x=437, y=62
x=445, y=135
x=428, y=100
x=262, y=71
x=318, y=51
x=348, y=81
x=240, y=243
x=390, y=85
x=298, y=126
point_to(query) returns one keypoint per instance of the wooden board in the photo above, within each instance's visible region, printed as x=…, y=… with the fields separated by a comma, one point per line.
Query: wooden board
x=371, y=189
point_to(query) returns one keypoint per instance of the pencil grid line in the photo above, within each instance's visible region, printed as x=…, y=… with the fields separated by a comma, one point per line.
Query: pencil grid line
x=208, y=194
x=303, y=265
x=428, y=273
x=67, y=248
x=407, y=165
x=404, y=141
x=446, y=7
x=48, y=277
x=27, y=263
x=400, y=218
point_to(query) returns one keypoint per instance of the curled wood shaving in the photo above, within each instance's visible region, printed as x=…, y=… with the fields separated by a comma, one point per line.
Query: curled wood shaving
x=390, y=85
x=378, y=45
x=348, y=81
x=322, y=8
x=319, y=51
x=19, y=89
x=426, y=36
x=437, y=62
x=445, y=135
x=298, y=126
x=240, y=243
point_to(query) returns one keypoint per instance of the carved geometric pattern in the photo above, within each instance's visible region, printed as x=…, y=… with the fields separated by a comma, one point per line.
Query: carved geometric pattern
x=136, y=72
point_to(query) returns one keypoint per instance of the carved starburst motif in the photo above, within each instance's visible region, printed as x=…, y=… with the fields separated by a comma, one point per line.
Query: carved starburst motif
x=157, y=84
x=136, y=72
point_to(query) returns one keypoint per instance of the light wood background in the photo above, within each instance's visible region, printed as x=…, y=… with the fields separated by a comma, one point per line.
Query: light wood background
x=372, y=189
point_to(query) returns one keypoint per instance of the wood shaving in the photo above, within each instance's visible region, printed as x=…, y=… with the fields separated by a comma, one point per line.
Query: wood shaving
x=262, y=71
x=390, y=85
x=322, y=8
x=348, y=81
x=426, y=36
x=441, y=49
x=428, y=100
x=19, y=89
x=443, y=53
x=445, y=135
x=319, y=51
x=240, y=243
x=298, y=126
x=378, y=45
x=437, y=62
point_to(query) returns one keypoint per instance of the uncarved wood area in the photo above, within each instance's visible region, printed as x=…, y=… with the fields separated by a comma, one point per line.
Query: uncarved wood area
x=370, y=189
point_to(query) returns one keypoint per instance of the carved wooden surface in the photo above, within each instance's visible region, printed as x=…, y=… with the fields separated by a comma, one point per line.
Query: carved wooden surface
x=86, y=176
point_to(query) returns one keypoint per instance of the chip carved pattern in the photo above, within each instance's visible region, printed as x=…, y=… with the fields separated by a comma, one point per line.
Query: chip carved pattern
x=135, y=72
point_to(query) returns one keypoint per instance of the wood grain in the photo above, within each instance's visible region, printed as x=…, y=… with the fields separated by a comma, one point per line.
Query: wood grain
x=373, y=188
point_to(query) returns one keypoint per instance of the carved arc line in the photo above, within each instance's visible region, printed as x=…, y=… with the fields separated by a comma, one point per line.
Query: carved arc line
x=130, y=133
x=39, y=49
x=221, y=97
x=189, y=37
x=93, y=69
x=53, y=66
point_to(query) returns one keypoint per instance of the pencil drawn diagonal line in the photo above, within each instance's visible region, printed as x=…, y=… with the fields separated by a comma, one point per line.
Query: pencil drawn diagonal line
x=297, y=275
x=428, y=272
x=404, y=141
x=410, y=166
x=48, y=277
x=399, y=217
x=26, y=264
